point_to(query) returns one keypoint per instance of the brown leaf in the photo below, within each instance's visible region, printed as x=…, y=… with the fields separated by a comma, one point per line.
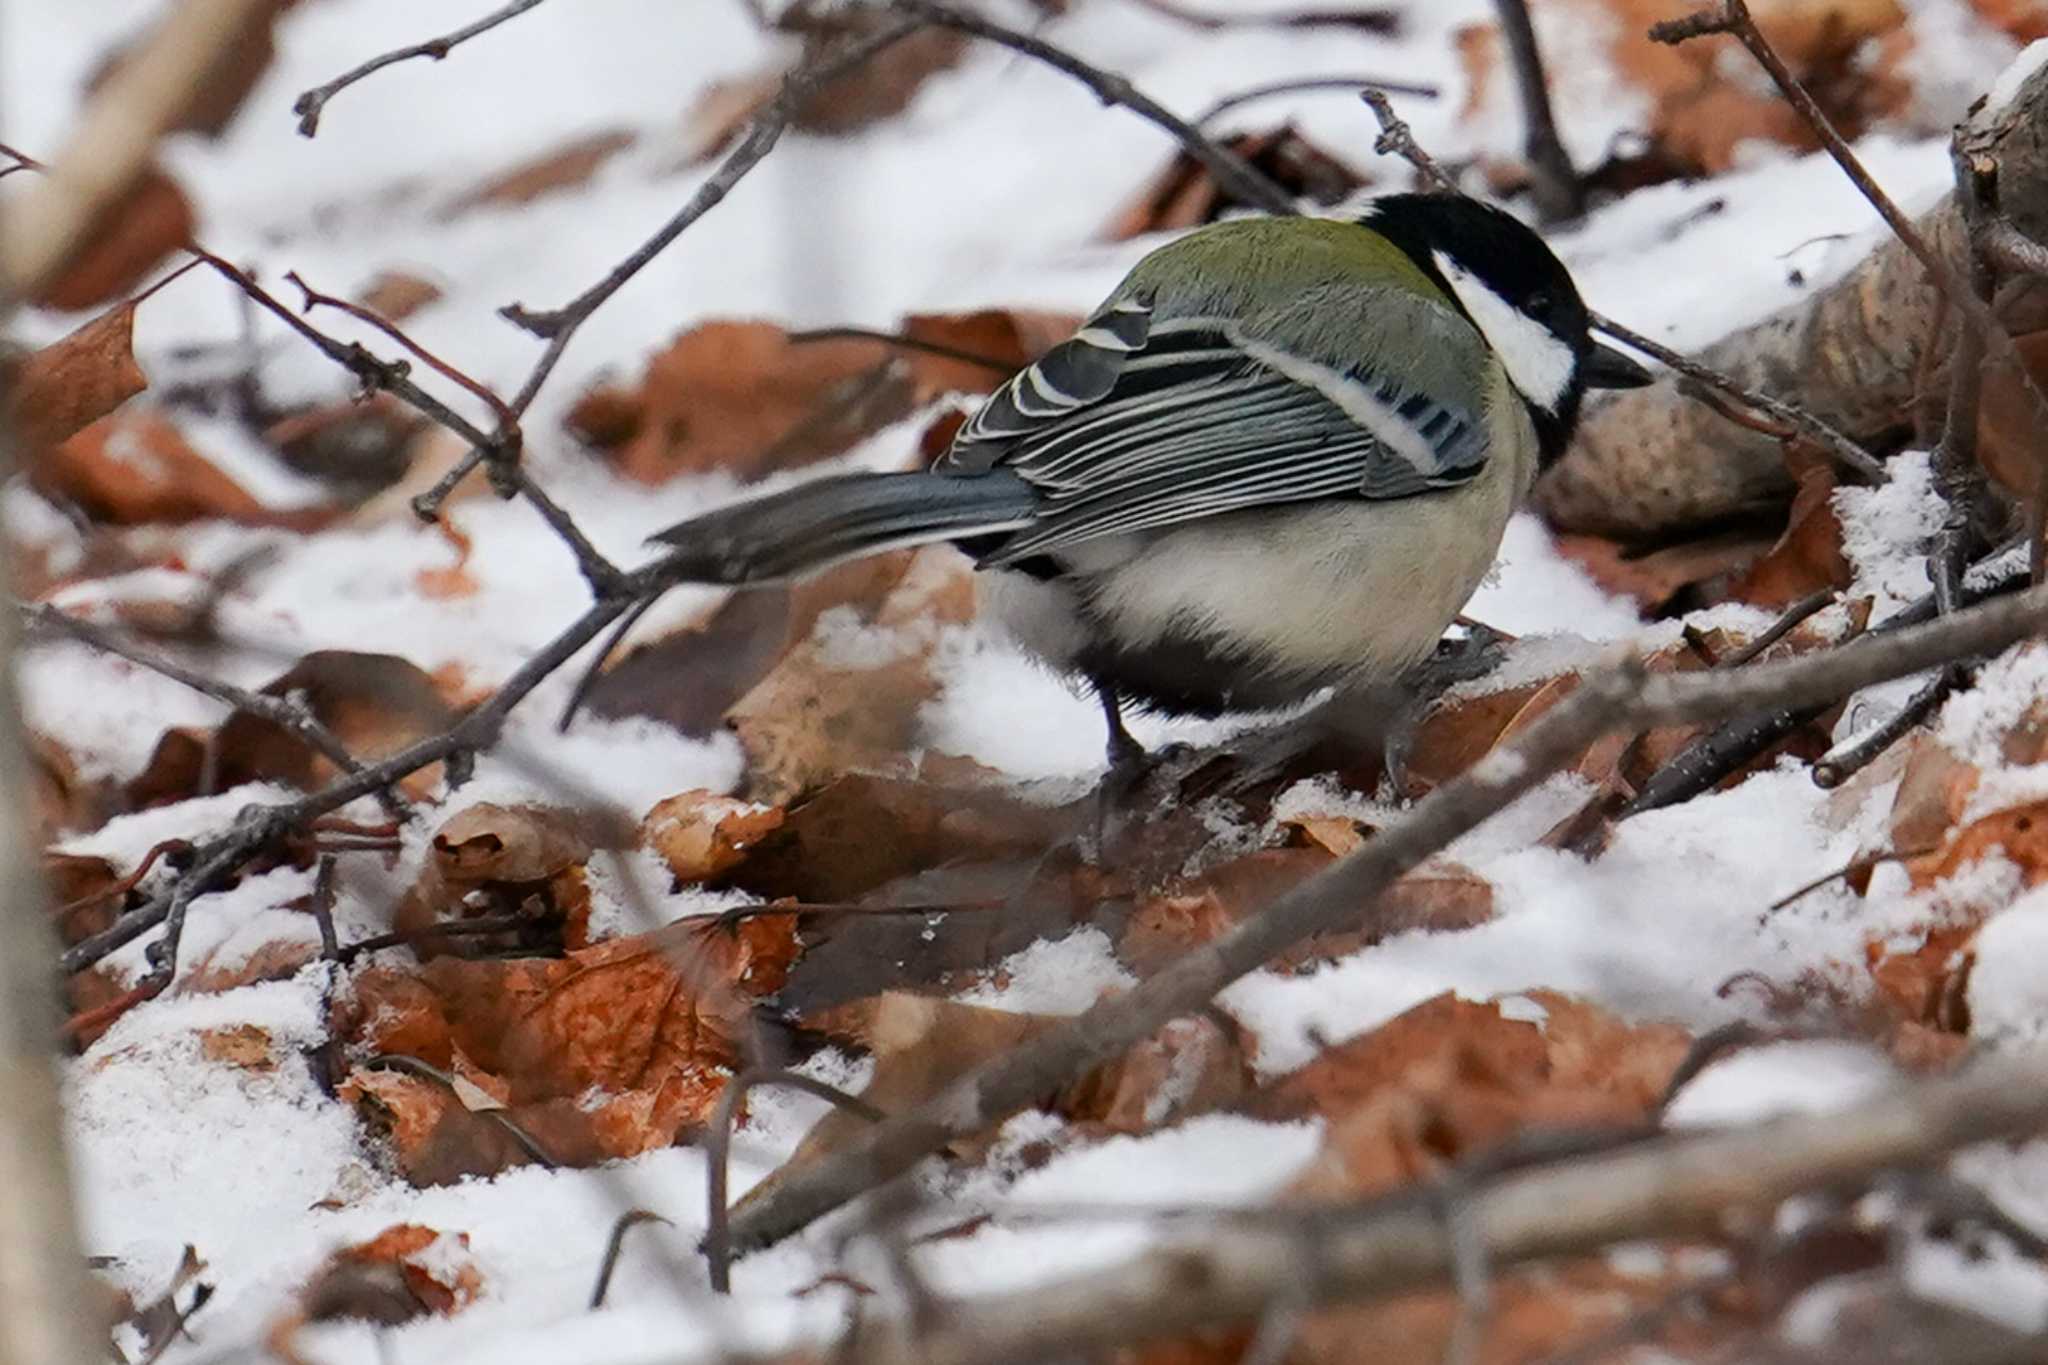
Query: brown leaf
x=1451, y=1077
x=123, y=246
x=490, y=861
x=404, y=1272
x=701, y=835
x=880, y=87
x=242, y=1045
x=742, y=398
x=835, y=706
x=1656, y=578
x=375, y=704
x=73, y=382
x=1441, y=895
x=2022, y=20
x=2008, y=441
x=1184, y=194
x=1009, y=338
x=238, y=64
x=396, y=295
x=602, y=1054
x=136, y=466
x=565, y=167
x=1808, y=556
x=358, y=447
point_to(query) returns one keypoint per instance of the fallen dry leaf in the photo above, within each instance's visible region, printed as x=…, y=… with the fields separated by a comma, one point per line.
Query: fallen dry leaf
x=848, y=699
x=1008, y=339
x=58, y=391
x=493, y=861
x=1184, y=194
x=607, y=1052
x=135, y=466
x=375, y=704
x=741, y=397
x=123, y=246
x=1808, y=556
x=1849, y=53
x=239, y=62
x=563, y=168
x=701, y=835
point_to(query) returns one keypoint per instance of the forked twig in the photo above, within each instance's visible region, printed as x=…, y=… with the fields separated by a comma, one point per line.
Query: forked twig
x=312, y=103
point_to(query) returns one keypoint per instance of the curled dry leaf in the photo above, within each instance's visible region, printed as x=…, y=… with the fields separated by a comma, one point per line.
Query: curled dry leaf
x=404, y=1272
x=1450, y=1077
x=565, y=167
x=741, y=397
x=357, y=448
x=608, y=1052
x=1808, y=556
x=488, y=861
x=58, y=391
x=847, y=698
x=135, y=466
x=1441, y=895
x=123, y=246
x=1184, y=193
x=375, y=704
x=239, y=62
x=701, y=835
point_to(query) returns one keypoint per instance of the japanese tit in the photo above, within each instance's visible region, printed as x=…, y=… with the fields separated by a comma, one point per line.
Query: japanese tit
x=1278, y=458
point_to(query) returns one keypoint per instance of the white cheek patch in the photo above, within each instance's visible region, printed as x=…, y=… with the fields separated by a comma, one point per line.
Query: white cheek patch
x=1536, y=360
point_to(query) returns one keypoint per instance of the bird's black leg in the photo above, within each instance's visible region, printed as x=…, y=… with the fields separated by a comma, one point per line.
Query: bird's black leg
x=1128, y=764
x=1124, y=752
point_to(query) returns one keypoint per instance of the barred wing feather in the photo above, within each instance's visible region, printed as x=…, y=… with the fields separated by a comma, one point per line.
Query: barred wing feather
x=1134, y=424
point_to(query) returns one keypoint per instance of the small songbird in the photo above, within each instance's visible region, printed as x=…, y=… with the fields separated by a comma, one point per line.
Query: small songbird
x=1278, y=458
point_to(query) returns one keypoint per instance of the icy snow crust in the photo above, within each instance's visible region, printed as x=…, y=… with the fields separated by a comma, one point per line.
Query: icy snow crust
x=987, y=191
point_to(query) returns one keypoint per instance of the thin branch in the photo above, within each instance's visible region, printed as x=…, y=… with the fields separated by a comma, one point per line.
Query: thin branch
x=718, y=1154
x=1664, y=1188
x=312, y=103
x=904, y=343
x=1306, y=84
x=1398, y=139
x=287, y=713
x=1845, y=761
x=1557, y=188
x=508, y=421
x=1624, y=697
x=1794, y=616
x=615, y=1244
x=1236, y=176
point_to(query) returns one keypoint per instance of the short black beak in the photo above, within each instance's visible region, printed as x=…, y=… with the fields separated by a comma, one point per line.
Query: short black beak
x=1607, y=368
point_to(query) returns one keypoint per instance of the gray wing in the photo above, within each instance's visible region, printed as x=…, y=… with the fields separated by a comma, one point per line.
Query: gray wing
x=1136, y=423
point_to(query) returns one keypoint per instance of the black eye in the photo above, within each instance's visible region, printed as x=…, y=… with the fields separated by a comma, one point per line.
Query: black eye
x=1542, y=303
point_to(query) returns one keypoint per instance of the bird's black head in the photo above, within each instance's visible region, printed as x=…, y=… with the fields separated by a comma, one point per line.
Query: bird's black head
x=1514, y=290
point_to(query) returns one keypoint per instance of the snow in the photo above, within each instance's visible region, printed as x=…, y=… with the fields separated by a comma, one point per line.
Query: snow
x=988, y=190
x=2016, y=74
x=1818, y=1077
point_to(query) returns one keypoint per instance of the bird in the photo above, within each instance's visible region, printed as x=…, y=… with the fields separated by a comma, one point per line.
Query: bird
x=1277, y=459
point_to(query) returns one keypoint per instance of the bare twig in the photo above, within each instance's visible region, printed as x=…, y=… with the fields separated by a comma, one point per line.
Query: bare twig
x=323, y=909
x=507, y=419
x=480, y=927
x=1845, y=761
x=1793, y=617
x=287, y=713
x=557, y=326
x=1305, y=84
x=615, y=1244
x=312, y=103
x=1237, y=178
x=718, y=1153
x=1662, y=1188
x=1555, y=186
x=1621, y=698
x=904, y=343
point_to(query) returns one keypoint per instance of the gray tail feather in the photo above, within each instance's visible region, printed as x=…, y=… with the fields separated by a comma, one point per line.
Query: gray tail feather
x=827, y=520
